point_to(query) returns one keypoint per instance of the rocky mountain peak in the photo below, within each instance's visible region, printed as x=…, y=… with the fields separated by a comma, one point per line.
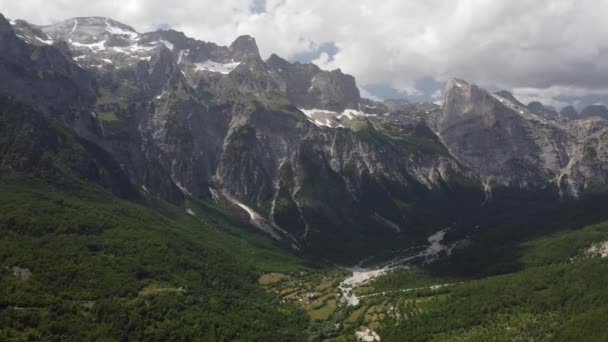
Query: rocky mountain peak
x=456, y=83
x=599, y=111
x=456, y=89
x=178, y=39
x=463, y=100
x=276, y=62
x=535, y=106
x=163, y=69
x=538, y=108
x=310, y=87
x=509, y=96
x=334, y=90
x=253, y=77
x=244, y=48
x=5, y=25
x=569, y=112
x=86, y=30
x=162, y=56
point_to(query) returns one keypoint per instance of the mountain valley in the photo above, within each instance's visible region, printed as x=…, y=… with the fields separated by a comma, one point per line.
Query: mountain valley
x=159, y=187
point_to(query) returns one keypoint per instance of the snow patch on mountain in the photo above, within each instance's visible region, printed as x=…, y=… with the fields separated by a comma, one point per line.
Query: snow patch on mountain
x=181, y=54
x=313, y=116
x=211, y=66
x=74, y=27
x=120, y=31
x=457, y=83
x=168, y=44
x=45, y=41
x=352, y=113
x=332, y=119
x=92, y=46
x=262, y=224
x=135, y=48
x=390, y=224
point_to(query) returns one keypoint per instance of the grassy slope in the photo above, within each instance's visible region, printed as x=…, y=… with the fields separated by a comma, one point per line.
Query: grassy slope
x=96, y=261
x=558, y=295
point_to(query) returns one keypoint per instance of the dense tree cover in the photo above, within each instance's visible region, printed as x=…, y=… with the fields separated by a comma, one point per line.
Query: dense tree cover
x=104, y=268
x=560, y=294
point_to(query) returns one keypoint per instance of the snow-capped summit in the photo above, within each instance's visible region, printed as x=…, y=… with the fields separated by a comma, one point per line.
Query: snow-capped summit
x=98, y=43
x=89, y=29
x=244, y=48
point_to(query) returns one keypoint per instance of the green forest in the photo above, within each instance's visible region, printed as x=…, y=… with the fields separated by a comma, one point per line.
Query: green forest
x=101, y=268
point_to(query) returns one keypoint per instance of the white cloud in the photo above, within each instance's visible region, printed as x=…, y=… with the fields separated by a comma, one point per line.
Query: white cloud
x=323, y=61
x=366, y=94
x=437, y=97
x=552, y=96
x=523, y=44
x=555, y=91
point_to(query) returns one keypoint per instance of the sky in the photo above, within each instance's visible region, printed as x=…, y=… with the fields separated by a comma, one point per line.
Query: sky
x=555, y=51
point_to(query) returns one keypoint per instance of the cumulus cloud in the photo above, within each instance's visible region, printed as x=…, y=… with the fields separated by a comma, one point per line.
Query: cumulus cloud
x=545, y=46
x=561, y=96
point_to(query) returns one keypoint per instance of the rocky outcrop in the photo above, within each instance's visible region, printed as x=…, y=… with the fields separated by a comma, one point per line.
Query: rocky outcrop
x=501, y=141
x=509, y=97
x=308, y=87
x=509, y=146
x=244, y=49
x=44, y=76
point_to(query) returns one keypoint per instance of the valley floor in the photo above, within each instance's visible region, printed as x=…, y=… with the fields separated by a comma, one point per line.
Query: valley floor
x=89, y=266
x=558, y=295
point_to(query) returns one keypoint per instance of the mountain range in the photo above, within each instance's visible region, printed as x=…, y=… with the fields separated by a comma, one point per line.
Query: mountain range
x=159, y=187
x=295, y=147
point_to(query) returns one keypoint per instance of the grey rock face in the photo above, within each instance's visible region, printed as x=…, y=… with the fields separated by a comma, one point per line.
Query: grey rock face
x=334, y=90
x=508, y=96
x=307, y=86
x=43, y=76
x=499, y=139
x=587, y=170
x=507, y=145
x=244, y=48
x=253, y=78
x=5, y=26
